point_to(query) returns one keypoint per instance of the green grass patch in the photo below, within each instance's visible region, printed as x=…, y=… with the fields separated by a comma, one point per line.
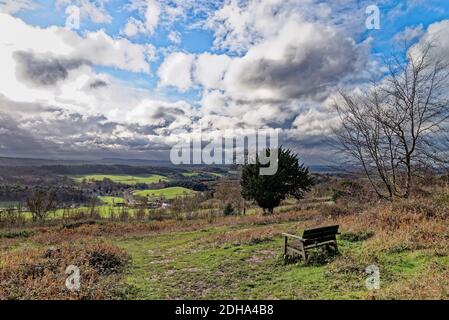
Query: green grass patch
x=168, y=193
x=191, y=174
x=186, y=265
x=111, y=200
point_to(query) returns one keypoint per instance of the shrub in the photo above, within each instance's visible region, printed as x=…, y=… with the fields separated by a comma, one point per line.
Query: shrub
x=334, y=210
x=16, y=234
x=107, y=259
x=228, y=210
x=41, y=273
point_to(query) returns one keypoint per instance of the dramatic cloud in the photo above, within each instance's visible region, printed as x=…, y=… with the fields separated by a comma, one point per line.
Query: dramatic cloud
x=43, y=70
x=38, y=130
x=96, y=47
x=294, y=64
x=229, y=64
x=437, y=34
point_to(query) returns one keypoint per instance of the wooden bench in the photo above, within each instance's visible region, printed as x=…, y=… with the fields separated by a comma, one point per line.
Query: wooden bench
x=311, y=238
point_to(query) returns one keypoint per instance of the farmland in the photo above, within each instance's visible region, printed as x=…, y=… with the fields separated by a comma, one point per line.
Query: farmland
x=125, y=179
x=168, y=193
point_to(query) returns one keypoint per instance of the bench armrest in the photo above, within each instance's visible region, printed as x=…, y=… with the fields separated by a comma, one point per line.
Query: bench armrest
x=292, y=236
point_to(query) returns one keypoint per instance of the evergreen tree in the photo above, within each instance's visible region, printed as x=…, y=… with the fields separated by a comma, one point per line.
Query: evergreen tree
x=291, y=179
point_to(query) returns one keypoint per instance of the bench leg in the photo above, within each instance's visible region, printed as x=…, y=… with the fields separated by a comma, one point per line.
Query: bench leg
x=285, y=246
x=303, y=252
x=333, y=247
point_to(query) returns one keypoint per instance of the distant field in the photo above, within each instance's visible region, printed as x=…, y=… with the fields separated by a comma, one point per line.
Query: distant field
x=191, y=174
x=9, y=204
x=195, y=174
x=125, y=179
x=215, y=174
x=112, y=200
x=168, y=193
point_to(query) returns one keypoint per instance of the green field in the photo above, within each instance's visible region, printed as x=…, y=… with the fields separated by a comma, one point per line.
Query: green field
x=191, y=174
x=195, y=174
x=111, y=200
x=125, y=179
x=169, y=193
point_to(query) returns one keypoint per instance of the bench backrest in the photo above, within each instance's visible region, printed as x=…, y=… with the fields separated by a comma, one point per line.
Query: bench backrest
x=321, y=234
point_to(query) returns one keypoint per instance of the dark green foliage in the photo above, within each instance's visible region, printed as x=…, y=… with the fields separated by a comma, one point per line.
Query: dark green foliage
x=16, y=234
x=291, y=179
x=188, y=184
x=228, y=210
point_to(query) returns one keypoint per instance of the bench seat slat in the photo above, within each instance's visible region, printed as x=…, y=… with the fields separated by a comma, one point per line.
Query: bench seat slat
x=318, y=231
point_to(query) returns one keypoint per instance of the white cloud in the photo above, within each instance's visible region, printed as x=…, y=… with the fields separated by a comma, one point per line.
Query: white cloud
x=92, y=10
x=209, y=69
x=133, y=27
x=96, y=47
x=152, y=15
x=409, y=34
x=304, y=60
x=239, y=25
x=315, y=122
x=438, y=37
x=54, y=66
x=150, y=11
x=174, y=37
x=213, y=102
x=176, y=71
x=14, y=6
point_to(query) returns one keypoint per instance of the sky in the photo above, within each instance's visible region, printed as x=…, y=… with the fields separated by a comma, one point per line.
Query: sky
x=85, y=79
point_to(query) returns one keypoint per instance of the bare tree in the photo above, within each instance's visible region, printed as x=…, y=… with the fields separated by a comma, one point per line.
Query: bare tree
x=390, y=129
x=40, y=203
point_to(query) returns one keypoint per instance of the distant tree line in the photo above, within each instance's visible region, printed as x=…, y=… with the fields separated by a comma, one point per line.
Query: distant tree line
x=63, y=194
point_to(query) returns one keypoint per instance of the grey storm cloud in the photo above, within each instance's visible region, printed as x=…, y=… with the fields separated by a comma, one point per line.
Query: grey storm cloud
x=303, y=68
x=164, y=116
x=44, y=70
x=36, y=130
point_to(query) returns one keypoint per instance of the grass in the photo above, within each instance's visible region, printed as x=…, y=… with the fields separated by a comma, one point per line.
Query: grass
x=190, y=265
x=125, y=179
x=195, y=174
x=168, y=193
x=191, y=174
x=240, y=257
x=111, y=200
